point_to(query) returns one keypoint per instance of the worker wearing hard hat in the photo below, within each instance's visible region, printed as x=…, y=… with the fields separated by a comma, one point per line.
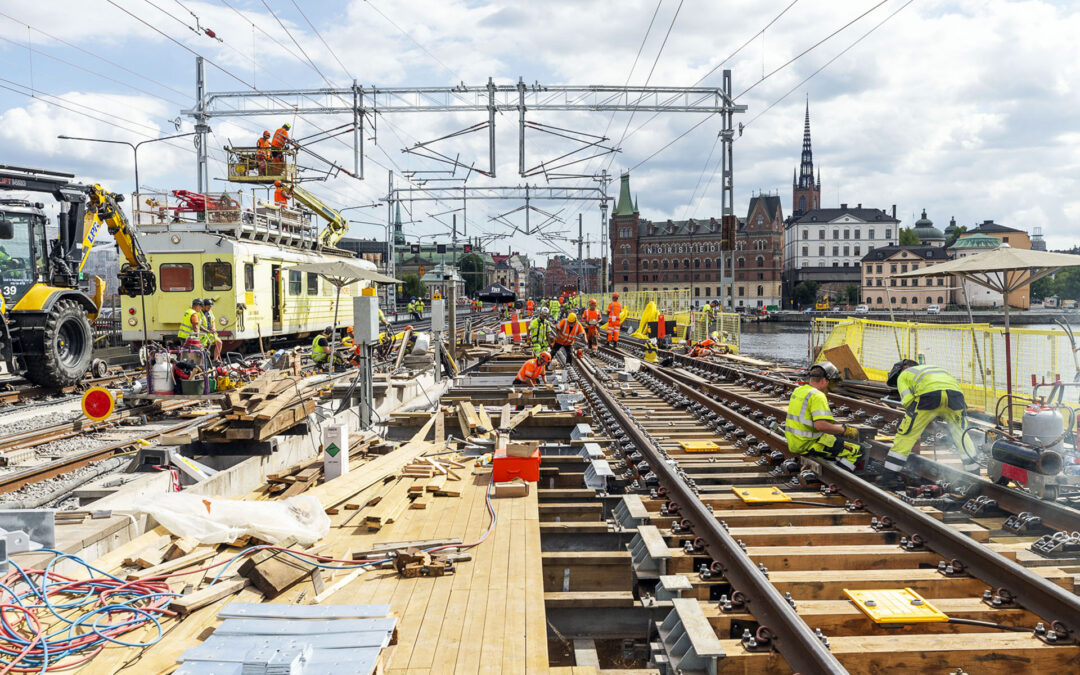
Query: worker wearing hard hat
x=566, y=331
x=262, y=155
x=928, y=393
x=281, y=195
x=320, y=348
x=281, y=139
x=534, y=370
x=591, y=318
x=209, y=335
x=189, y=325
x=810, y=428
x=540, y=332
x=614, y=314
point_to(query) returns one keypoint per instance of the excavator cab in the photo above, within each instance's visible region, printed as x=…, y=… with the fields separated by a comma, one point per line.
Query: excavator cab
x=23, y=248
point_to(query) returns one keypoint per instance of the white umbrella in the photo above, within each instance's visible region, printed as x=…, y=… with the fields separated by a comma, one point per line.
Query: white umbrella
x=1004, y=269
x=341, y=273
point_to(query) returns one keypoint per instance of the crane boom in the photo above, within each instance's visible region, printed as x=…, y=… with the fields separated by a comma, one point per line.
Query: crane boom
x=336, y=224
x=136, y=275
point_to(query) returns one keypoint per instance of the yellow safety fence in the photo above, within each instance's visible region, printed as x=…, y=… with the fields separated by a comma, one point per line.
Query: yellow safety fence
x=973, y=353
x=673, y=304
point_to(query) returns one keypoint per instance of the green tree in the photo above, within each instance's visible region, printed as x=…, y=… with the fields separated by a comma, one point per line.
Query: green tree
x=908, y=237
x=1042, y=288
x=805, y=293
x=1067, y=283
x=960, y=230
x=410, y=286
x=472, y=271
x=852, y=294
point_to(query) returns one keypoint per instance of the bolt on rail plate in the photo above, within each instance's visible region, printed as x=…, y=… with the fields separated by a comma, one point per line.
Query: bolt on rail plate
x=761, y=495
x=699, y=446
x=895, y=605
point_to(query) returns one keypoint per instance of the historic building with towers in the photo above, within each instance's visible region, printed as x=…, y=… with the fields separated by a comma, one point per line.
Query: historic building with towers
x=827, y=245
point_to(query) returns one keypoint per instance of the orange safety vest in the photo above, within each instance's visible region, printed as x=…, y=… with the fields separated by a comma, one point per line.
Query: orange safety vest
x=280, y=197
x=614, y=311
x=591, y=316
x=280, y=137
x=706, y=343
x=530, y=371
x=529, y=305
x=262, y=143
x=565, y=334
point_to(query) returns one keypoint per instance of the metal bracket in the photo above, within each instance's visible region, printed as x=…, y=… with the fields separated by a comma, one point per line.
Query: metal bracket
x=629, y=513
x=1022, y=523
x=1057, y=545
x=649, y=553
x=687, y=641
x=597, y=474
x=25, y=530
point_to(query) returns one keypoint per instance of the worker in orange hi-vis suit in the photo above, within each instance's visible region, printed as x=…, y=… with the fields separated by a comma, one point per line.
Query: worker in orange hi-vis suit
x=281, y=195
x=529, y=305
x=591, y=318
x=614, y=312
x=534, y=371
x=566, y=331
x=262, y=155
x=281, y=139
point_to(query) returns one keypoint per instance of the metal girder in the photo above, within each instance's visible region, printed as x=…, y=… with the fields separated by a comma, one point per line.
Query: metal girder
x=520, y=192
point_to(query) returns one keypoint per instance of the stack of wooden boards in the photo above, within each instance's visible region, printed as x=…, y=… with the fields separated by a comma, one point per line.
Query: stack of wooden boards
x=298, y=478
x=272, y=638
x=272, y=403
x=417, y=483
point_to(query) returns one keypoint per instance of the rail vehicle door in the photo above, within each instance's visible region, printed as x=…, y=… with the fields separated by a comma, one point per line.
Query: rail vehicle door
x=275, y=284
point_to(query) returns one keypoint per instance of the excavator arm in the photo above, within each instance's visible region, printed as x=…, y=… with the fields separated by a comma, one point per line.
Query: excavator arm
x=136, y=275
x=336, y=225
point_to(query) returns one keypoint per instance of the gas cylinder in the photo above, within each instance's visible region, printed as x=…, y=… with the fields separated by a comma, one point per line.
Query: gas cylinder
x=1043, y=425
x=161, y=375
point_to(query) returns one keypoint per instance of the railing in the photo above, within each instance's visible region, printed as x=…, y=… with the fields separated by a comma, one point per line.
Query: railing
x=261, y=165
x=677, y=305
x=237, y=214
x=973, y=353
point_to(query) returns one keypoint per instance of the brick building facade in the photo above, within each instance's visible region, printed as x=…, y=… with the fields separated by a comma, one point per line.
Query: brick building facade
x=687, y=254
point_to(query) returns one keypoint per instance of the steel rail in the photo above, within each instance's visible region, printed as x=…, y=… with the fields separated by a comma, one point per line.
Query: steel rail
x=803, y=650
x=1042, y=597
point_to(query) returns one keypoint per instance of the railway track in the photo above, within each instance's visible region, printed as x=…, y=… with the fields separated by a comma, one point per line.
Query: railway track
x=769, y=577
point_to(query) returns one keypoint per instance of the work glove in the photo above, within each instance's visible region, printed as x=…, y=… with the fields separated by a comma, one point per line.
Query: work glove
x=851, y=433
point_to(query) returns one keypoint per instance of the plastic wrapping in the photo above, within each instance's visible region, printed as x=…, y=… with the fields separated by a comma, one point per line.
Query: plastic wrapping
x=210, y=520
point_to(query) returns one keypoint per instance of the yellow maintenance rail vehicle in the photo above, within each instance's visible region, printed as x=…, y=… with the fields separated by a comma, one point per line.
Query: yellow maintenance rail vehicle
x=46, y=305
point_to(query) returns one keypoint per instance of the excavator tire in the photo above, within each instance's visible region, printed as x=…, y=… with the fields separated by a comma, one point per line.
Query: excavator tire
x=65, y=349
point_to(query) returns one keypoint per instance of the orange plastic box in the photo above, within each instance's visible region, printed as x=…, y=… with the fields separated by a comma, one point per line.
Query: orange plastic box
x=508, y=468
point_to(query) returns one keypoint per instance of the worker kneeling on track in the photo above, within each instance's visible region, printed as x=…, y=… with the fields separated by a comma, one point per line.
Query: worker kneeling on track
x=534, y=371
x=320, y=349
x=810, y=427
x=566, y=331
x=928, y=393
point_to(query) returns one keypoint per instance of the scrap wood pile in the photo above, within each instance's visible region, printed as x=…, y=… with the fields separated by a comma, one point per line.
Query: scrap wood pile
x=413, y=487
x=272, y=403
x=298, y=478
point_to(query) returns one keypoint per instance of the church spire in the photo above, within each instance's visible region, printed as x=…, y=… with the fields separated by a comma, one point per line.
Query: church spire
x=806, y=172
x=399, y=233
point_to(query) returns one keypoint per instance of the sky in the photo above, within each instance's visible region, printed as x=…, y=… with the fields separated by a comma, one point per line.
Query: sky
x=967, y=108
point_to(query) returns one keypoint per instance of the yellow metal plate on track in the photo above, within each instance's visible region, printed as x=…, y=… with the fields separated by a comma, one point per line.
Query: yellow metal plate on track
x=895, y=606
x=761, y=495
x=699, y=446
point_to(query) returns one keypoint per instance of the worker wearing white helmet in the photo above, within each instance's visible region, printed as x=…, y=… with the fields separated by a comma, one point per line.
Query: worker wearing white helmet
x=810, y=427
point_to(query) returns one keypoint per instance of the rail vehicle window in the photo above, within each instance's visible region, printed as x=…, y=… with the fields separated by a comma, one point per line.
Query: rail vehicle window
x=177, y=277
x=249, y=277
x=217, y=276
x=312, y=283
x=295, y=282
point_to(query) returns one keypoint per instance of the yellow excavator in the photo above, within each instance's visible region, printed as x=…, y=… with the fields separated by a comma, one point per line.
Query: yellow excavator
x=45, y=303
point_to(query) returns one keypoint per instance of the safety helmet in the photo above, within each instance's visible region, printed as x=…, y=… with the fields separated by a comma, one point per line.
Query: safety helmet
x=196, y=301
x=714, y=335
x=898, y=368
x=571, y=317
x=545, y=357
x=286, y=126
x=328, y=330
x=266, y=133
x=614, y=296
x=544, y=311
x=208, y=302
x=592, y=302
x=277, y=183
x=827, y=370
x=349, y=330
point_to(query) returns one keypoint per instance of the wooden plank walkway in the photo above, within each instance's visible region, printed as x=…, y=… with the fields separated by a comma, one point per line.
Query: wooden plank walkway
x=487, y=617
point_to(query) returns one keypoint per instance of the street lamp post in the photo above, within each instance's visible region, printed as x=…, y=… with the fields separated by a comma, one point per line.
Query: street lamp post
x=134, y=147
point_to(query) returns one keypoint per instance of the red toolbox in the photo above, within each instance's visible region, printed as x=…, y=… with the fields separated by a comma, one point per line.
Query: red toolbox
x=508, y=468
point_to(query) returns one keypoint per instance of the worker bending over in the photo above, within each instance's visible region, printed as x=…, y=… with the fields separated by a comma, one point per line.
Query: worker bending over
x=810, y=428
x=320, y=348
x=591, y=319
x=534, y=370
x=566, y=331
x=614, y=321
x=928, y=393
x=209, y=335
